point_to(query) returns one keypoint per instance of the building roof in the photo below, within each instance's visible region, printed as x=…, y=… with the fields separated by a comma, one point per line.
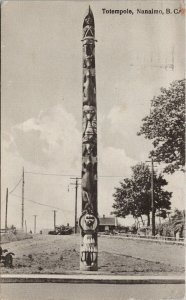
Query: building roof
x=107, y=221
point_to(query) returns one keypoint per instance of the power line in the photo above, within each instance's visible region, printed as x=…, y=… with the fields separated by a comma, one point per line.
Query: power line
x=16, y=186
x=50, y=174
x=42, y=204
x=69, y=175
x=112, y=176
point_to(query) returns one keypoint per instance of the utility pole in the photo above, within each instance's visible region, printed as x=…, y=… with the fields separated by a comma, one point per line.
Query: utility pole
x=6, y=212
x=54, y=218
x=35, y=223
x=168, y=213
x=152, y=197
x=76, y=190
x=25, y=226
x=22, y=214
x=75, y=220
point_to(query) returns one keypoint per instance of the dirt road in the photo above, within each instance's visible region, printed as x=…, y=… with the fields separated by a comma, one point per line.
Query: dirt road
x=60, y=254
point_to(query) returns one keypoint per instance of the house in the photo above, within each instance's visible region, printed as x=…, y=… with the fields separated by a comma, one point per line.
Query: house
x=107, y=223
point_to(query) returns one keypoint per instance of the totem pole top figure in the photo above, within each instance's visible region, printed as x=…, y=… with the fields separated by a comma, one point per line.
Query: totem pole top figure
x=88, y=25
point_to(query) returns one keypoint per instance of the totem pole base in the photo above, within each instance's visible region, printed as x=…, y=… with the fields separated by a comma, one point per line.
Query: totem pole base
x=88, y=268
x=88, y=250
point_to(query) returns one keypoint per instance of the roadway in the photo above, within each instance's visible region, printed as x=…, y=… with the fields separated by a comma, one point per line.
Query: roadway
x=47, y=254
x=60, y=254
x=56, y=291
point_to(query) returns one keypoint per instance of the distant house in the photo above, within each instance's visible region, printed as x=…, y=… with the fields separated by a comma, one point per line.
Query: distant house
x=107, y=223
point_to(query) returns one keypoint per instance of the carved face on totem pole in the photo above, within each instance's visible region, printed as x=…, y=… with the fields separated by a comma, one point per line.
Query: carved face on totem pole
x=89, y=125
x=89, y=61
x=88, y=223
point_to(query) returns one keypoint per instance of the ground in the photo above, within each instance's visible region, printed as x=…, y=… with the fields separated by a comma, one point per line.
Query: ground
x=60, y=254
x=56, y=291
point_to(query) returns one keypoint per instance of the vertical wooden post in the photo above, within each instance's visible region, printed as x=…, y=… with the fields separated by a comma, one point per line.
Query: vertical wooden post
x=25, y=227
x=6, y=211
x=54, y=219
x=76, y=194
x=75, y=221
x=35, y=223
x=152, y=198
x=22, y=206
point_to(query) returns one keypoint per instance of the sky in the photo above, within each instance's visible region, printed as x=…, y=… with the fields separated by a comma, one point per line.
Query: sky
x=41, y=104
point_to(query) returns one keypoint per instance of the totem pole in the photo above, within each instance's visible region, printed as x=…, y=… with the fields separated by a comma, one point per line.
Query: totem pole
x=89, y=220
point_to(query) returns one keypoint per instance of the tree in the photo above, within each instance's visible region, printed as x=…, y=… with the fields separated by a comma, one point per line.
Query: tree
x=165, y=126
x=133, y=196
x=178, y=215
x=174, y=224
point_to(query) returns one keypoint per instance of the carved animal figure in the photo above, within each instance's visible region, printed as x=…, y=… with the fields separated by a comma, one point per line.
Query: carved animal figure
x=89, y=90
x=88, y=187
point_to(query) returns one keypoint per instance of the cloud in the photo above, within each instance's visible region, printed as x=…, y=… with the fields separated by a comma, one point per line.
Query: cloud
x=122, y=117
x=50, y=140
x=123, y=122
x=115, y=162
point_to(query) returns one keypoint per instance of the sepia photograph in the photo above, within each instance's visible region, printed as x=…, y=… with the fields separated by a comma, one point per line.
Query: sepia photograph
x=92, y=150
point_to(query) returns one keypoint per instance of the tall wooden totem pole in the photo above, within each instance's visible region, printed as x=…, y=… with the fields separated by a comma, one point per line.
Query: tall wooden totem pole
x=89, y=220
